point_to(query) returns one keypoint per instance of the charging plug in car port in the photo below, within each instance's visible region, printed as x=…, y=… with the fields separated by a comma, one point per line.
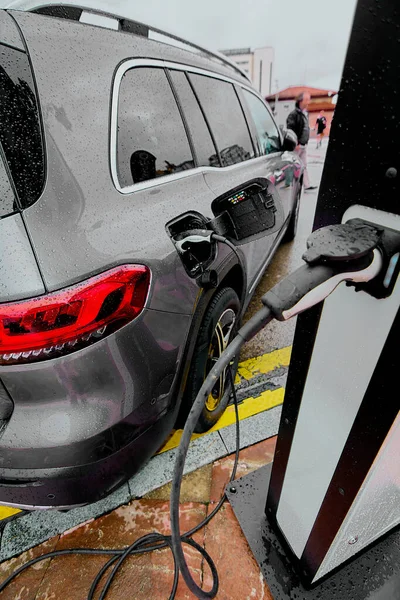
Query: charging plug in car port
x=197, y=250
x=241, y=215
x=191, y=237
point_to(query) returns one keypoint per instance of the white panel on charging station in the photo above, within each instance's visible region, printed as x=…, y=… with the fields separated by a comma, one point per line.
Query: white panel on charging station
x=351, y=335
x=376, y=509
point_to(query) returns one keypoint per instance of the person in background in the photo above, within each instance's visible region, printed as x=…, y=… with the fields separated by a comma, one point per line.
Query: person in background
x=297, y=121
x=321, y=126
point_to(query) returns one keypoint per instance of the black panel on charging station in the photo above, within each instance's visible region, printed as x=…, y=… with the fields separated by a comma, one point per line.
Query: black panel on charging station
x=361, y=167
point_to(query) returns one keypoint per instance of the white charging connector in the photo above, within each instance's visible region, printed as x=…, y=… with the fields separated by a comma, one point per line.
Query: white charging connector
x=323, y=290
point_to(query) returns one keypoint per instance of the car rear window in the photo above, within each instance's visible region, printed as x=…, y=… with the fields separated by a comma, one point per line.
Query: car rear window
x=20, y=131
x=152, y=140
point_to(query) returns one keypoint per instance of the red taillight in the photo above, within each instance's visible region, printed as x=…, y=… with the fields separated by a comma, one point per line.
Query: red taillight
x=61, y=322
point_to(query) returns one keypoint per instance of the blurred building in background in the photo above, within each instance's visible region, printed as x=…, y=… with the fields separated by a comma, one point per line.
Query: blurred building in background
x=257, y=64
x=283, y=102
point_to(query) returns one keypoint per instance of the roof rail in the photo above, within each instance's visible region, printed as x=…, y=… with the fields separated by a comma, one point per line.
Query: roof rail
x=74, y=12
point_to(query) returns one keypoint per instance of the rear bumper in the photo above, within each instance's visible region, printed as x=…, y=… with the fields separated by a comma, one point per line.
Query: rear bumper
x=84, y=423
x=74, y=486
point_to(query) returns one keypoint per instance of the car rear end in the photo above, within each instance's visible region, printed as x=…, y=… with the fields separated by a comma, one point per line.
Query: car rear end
x=87, y=369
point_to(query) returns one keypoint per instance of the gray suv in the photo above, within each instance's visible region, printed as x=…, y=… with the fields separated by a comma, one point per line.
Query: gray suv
x=113, y=147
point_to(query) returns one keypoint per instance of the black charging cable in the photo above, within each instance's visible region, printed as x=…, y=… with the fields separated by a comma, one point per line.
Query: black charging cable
x=224, y=240
x=255, y=324
x=147, y=543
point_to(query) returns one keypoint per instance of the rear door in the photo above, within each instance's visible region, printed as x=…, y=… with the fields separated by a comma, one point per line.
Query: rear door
x=237, y=159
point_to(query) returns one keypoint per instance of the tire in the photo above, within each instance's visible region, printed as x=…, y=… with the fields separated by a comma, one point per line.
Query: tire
x=291, y=231
x=217, y=329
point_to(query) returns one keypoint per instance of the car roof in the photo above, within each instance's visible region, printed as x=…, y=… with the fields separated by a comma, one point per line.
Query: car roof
x=90, y=14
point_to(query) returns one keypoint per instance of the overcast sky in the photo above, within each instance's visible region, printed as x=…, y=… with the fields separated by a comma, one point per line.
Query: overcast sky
x=309, y=36
x=305, y=53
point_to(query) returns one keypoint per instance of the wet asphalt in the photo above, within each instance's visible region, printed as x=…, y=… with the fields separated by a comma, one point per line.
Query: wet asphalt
x=287, y=258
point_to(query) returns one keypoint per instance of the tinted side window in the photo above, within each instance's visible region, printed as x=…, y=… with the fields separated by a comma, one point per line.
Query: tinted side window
x=267, y=132
x=225, y=116
x=20, y=133
x=201, y=137
x=7, y=199
x=151, y=138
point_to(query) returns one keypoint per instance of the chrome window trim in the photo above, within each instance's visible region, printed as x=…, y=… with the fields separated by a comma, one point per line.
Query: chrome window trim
x=146, y=62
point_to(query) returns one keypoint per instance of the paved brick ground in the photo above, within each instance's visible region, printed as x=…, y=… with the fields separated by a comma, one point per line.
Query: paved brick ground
x=150, y=576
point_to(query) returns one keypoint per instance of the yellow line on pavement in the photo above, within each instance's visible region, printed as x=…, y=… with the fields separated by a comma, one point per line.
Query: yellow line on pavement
x=265, y=363
x=6, y=511
x=247, y=369
x=248, y=408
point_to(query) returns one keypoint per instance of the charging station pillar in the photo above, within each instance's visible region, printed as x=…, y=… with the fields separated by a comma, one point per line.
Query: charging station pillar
x=335, y=481
x=334, y=488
